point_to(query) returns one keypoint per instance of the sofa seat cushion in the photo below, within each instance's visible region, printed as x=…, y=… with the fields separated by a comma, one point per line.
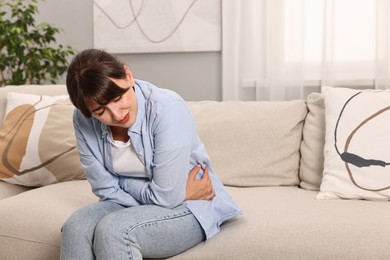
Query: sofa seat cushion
x=277, y=223
x=289, y=223
x=8, y=190
x=32, y=220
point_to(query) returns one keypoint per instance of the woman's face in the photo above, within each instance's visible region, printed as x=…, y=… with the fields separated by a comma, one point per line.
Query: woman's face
x=122, y=111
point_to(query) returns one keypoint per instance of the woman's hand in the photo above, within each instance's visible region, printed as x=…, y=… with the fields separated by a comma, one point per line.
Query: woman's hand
x=199, y=189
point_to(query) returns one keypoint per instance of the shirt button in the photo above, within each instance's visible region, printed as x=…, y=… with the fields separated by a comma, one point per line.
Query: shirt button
x=139, y=153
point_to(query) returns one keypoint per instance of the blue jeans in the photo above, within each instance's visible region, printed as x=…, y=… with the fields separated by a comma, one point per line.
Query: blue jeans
x=106, y=230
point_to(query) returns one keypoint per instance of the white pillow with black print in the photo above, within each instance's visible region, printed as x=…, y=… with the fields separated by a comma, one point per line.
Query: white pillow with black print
x=357, y=144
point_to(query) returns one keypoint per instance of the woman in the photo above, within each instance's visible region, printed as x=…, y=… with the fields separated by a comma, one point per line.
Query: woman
x=144, y=160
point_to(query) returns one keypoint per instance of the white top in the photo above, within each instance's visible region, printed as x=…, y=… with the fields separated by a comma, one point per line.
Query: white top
x=126, y=161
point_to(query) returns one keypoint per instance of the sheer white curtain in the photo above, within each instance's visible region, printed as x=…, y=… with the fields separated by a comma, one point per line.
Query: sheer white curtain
x=284, y=49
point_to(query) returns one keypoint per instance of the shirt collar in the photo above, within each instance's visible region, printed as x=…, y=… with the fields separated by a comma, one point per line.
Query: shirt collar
x=137, y=126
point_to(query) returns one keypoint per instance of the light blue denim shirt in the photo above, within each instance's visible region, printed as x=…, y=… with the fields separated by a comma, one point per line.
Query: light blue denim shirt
x=165, y=139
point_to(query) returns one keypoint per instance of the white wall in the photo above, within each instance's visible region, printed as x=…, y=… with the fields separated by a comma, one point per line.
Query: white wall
x=195, y=76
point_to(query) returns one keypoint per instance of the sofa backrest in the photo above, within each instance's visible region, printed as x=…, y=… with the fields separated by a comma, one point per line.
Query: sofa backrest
x=250, y=143
x=313, y=142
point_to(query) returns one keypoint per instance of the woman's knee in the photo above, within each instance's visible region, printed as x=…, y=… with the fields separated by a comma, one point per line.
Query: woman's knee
x=73, y=223
x=109, y=230
x=113, y=238
x=77, y=227
x=84, y=220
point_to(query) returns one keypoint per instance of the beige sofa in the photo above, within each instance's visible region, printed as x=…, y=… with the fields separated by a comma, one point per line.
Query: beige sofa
x=270, y=157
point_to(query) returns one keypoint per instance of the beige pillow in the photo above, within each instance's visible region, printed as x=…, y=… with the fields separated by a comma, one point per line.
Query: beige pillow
x=313, y=141
x=252, y=143
x=37, y=141
x=48, y=90
x=357, y=151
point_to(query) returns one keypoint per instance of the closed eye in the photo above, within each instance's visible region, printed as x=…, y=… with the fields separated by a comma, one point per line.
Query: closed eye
x=100, y=111
x=117, y=99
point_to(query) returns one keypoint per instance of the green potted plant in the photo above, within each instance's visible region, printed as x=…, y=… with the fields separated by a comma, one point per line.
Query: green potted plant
x=28, y=54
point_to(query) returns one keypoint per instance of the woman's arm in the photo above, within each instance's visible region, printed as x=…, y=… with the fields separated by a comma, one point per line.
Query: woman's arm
x=196, y=189
x=104, y=184
x=173, y=133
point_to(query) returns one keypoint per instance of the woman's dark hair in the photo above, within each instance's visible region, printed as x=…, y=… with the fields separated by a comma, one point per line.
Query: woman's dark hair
x=88, y=78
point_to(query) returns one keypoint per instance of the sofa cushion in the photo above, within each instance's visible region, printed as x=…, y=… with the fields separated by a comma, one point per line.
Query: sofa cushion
x=252, y=143
x=357, y=154
x=313, y=142
x=50, y=90
x=32, y=220
x=37, y=141
x=277, y=223
x=8, y=190
x=289, y=223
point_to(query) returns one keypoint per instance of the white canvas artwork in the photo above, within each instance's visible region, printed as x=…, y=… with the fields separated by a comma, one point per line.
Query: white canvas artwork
x=140, y=26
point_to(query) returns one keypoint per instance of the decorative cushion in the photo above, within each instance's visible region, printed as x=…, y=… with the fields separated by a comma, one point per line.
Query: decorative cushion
x=357, y=150
x=37, y=142
x=48, y=90
x=313, y=141
x=252, y=143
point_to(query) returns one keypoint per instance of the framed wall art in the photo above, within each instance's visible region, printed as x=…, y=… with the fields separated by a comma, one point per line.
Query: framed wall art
x=143, y=26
